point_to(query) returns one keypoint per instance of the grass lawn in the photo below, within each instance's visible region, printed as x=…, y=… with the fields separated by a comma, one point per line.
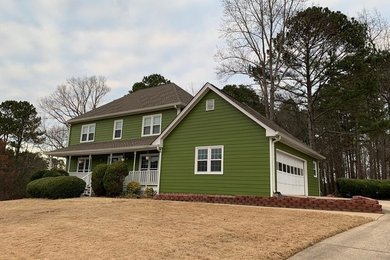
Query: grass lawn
x=104, y=228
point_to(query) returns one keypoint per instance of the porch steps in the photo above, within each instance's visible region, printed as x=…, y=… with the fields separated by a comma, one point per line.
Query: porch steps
x=88, y=192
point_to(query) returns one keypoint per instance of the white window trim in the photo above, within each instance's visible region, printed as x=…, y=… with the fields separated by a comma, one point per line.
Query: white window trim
x=113, y=134
x=208, y=160
x=81, y=134
x=147, y=154
x=119, y=157
x=86, y=167
x=151, y=126
x=210, y=100
x=315, y=169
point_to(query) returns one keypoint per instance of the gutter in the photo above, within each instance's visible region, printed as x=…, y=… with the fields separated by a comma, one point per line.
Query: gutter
x=103, y=150
x=125, y=113
x=273, y=139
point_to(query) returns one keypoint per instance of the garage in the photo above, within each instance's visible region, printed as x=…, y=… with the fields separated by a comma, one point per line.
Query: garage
x=291, y=172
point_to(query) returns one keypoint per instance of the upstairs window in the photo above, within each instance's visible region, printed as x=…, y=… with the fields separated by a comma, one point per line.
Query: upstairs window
x=87, y=133
x=151, y=125
x=118, y=124
x=209, y=104
x=315, y=169
x=209, y=160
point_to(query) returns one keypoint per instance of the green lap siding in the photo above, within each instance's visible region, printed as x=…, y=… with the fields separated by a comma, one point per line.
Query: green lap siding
x=313, y=182
x=132, y=126
x=246, y=168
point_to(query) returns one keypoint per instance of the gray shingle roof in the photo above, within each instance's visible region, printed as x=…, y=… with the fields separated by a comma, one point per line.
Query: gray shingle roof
x=118, y=146
x=159, y=97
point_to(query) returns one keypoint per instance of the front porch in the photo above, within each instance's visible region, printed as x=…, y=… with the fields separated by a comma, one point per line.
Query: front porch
x=144, y=177
x=143, y=159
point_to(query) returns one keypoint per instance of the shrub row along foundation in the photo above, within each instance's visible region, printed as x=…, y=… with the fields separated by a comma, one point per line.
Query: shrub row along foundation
x=356, y=204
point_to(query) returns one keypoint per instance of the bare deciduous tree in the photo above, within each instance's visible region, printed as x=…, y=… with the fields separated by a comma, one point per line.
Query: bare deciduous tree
x=250, y=28
x=76, y=97
x=378, y=29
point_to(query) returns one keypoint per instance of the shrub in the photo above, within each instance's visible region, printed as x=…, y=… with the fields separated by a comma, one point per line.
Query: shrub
x=56, y=187
x=51, y=174
x=48, y=173
x=97, y=179
x=368, y=188
x=149, y=192
x=38, y=174
x=113, y=178
x=62, y=172
x=133, y=188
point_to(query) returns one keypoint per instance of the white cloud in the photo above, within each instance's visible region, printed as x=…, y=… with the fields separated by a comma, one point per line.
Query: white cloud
x=44, y=42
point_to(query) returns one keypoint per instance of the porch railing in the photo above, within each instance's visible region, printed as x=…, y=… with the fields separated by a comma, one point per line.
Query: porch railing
x=85, y=176
x=143, y=177
x=149, y=177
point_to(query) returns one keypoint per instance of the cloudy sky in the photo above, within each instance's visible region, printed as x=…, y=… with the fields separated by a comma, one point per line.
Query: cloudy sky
x=42, y=43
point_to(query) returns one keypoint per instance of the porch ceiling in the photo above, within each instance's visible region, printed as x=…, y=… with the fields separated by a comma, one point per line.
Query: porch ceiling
x=117, y=146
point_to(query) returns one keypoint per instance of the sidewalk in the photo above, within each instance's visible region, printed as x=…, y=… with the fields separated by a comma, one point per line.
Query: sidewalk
x=370, y=241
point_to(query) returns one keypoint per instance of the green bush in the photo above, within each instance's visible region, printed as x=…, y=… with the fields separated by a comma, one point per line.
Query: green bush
x=149, y=192
x=376, y=189
x=38, y=174
x=56, y=187
x=51, y=174
x=48, y=173
x=97, y=179
x=62, y=172
x=133, y=188
x=114, y=177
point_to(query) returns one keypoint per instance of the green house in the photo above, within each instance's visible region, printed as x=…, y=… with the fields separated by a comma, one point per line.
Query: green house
x=206, y=144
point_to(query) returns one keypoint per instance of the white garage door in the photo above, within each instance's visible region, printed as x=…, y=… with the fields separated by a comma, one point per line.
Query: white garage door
x=290, y=174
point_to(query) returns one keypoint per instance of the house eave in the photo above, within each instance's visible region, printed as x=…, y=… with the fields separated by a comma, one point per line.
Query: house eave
x=301, y=147
x=102, y=151
x=126, y=113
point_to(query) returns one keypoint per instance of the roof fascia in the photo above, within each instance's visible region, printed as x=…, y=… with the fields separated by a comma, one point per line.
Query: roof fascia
x=301, y=147
x=126, y=113
x=102, y=151
x=195, y=100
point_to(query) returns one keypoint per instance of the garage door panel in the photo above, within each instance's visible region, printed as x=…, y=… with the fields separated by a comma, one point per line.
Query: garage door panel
x=290, y=175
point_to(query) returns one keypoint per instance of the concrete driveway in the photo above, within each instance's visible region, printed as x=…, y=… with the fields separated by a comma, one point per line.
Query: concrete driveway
x=369, y=241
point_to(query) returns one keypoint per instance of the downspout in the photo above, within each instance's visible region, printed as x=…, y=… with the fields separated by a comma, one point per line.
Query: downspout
x=178, y=109
x=69, y=125
x=273, y=140
x=159, y=148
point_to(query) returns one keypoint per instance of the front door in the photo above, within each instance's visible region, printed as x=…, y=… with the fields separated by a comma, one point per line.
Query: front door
x=149, y=162
x=83, y=165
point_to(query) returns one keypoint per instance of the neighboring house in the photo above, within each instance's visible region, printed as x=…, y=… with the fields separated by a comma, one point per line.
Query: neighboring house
x=209, y=144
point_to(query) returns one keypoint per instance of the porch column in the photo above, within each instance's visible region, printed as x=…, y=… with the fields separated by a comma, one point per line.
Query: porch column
x=110, y=158
x=135, y=155
x=50, y=162
x=70, y=160
x=90, y=163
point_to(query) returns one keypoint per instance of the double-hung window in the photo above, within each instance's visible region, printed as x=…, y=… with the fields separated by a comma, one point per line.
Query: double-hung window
x=87, y=133
x=118, y=124
x=315, y=169
x=151, y=125
x=209, y=160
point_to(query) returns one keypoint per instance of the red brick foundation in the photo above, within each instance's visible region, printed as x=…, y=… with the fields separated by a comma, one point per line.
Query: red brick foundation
x=356, y=204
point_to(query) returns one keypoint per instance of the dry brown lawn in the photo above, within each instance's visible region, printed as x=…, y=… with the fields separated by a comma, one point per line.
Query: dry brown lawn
x=104, y=228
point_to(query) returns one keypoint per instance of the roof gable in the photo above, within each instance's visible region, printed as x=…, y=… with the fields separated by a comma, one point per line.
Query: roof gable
x=272, y=129
x=144, y=100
